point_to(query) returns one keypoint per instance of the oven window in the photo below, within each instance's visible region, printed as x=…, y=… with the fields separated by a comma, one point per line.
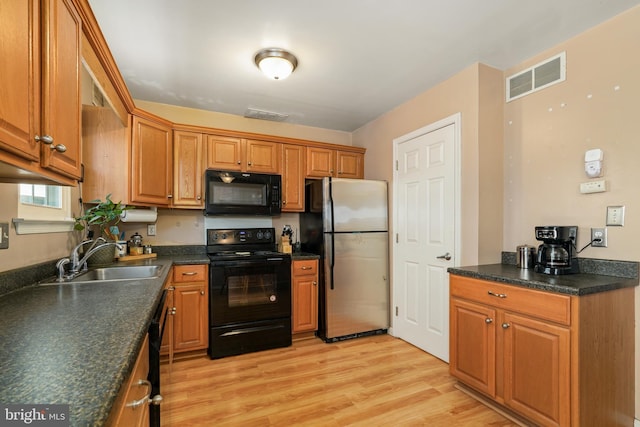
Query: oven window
x=252, y=289
x=238, y=194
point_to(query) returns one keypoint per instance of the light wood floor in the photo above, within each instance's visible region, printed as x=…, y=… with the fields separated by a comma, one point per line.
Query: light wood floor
x=372, y=381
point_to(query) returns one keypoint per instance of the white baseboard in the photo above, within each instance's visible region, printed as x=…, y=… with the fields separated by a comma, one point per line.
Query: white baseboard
x=636, y=423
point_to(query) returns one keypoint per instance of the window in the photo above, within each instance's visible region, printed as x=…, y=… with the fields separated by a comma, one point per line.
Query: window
x=43, y=209
x=41, y=195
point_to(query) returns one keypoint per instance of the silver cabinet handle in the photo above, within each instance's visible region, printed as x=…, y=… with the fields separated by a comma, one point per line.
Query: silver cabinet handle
x=304, y=267
x=238, y=161
x=199, y=197
x=505, y=325
x=190, y=273
x=155, y=400
x=201, y=292
x=493, y=294
x=45, y=139
x=488, y=320
x=146, y=399
x=48, y=140
x=314, y=283
x=445, y=257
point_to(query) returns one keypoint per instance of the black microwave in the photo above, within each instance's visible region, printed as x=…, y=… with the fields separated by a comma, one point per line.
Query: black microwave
x=240, y=193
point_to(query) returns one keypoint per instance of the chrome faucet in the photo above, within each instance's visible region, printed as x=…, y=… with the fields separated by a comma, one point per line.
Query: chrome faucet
x=82, y=264
x=74, y=257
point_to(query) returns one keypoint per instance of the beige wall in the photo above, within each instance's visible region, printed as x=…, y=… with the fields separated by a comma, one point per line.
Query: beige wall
x=210, y=119
x=476, y=93
x=545, y=144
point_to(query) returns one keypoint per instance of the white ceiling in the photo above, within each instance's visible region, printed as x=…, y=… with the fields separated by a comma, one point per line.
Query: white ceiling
x=357, y=58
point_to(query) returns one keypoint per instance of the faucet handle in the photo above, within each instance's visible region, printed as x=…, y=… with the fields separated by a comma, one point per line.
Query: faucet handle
x=60, y=266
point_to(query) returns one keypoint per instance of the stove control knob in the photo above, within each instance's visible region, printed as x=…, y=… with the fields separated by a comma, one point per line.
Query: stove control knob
x=224, y=236
x=259, y=235
x=267, y=235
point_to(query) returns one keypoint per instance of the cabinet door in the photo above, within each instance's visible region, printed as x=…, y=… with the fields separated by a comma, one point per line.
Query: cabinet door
x=349, y=165
x=292, y=178
x=263, y=156
x=190, y=320
x=304, y=313
x=188, y=170
x=473, y=345
x=536, y=369
x=224, y=153
x=320, y=162
x=61, y=105
x=20, y=84
x=151, y=163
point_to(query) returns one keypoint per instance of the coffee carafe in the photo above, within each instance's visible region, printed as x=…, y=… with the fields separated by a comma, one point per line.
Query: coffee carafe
x=556, y=255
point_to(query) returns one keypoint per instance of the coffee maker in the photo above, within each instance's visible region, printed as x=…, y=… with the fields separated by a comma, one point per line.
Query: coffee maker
x=556, y=254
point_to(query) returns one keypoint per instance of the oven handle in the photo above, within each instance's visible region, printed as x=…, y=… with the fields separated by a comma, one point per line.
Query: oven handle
x=251, y=330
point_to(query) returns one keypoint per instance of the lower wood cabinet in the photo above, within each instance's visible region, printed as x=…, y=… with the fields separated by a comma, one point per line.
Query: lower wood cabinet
x=131, y=407
x=304, y=286
x=189, y=291
x=556, y=360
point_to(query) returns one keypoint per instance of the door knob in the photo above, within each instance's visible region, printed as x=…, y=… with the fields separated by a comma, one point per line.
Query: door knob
x=445, y=257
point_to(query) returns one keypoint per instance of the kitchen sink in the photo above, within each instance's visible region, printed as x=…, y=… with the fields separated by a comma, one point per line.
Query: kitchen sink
x=132, y=272
x=115, y=273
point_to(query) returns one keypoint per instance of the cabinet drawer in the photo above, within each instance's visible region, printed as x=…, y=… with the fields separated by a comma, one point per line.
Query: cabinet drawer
x=307, y=266
x=543, y=305
x=189, y=273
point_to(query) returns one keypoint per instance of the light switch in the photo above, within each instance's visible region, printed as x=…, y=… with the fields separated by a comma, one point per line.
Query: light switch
x=4, y=235
x=615, y=216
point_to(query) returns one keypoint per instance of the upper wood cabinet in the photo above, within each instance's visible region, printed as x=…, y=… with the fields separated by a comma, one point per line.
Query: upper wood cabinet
x=293, y=157
x=323, y=162
x=240, y=154
x=188, y=167
x=40, y=112
x=151, y=162
x=349, y=165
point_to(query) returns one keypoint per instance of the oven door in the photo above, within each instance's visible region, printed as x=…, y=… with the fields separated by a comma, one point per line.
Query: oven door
x=249, y=290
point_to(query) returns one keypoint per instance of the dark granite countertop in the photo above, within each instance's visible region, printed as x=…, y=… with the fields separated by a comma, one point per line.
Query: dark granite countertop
x=304, y=255
x=572, y=284
x=75, y=344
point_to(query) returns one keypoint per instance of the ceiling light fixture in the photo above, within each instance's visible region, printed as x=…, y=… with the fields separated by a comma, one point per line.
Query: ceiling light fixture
x=276, y=63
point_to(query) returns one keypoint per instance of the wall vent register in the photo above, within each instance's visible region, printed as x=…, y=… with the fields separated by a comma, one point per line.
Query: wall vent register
x=538, y=77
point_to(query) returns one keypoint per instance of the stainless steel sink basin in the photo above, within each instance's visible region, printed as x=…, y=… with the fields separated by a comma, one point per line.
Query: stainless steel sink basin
x=132, y=272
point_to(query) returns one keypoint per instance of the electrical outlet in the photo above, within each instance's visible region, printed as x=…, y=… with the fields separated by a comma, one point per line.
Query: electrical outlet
x=593, y=186
x=151, y=229
x=4, y=235
x=599, y=237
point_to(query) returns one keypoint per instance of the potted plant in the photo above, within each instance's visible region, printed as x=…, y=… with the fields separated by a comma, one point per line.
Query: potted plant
x=104, y=215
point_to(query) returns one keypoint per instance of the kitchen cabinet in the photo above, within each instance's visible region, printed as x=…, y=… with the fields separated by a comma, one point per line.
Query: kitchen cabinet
x=191, y=307
x=543, y=355
x=304, y=283
x=40, y=103
x=323, y=162
x=293, y=178
x=245, y=155
x=188, y=158
x=151, y=162
x=135, y=388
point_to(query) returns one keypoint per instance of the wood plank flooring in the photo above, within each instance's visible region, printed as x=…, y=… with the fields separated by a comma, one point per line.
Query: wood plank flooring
x=371, y=381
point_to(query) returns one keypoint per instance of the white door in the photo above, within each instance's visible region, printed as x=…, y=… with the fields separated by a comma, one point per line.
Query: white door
x=425, y=223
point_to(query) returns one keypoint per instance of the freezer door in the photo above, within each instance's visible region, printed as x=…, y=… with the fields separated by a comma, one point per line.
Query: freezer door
x=358, y=205
x=358, y=301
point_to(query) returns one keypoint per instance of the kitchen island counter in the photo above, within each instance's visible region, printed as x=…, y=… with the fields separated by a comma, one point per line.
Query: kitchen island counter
x=75, y=344
x=571, y=284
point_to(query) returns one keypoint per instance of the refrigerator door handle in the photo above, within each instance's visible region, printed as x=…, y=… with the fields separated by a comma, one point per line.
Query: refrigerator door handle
x=333, y=251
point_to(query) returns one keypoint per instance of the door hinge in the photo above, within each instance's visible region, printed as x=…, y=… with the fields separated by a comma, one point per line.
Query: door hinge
x=397, y=238
x=396, y=165
x=396, y=311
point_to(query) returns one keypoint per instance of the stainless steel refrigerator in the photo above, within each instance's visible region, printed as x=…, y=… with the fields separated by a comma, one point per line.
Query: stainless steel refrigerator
x=346, y=223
